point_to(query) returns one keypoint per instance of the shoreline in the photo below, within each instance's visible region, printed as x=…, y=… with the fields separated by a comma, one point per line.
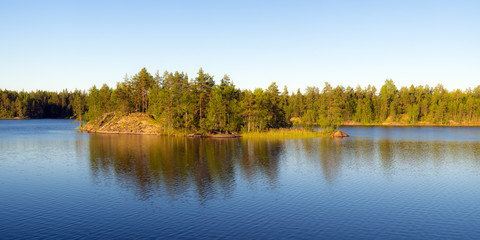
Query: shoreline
x=17, y=118
x=220, y=136
x=273, y=133
x=409, y=125
x=344, y=124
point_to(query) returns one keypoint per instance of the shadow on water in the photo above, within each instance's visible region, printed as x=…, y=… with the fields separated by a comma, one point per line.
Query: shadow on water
x=205, y=169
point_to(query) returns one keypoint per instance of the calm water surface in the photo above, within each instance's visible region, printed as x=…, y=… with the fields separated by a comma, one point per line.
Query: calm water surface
x=395, y=183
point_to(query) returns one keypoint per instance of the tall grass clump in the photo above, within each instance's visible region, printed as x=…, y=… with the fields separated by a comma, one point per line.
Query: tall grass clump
x=286, y=133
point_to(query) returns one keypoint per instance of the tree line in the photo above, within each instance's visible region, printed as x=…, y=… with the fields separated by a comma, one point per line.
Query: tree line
x=41, y=104
x=200, y=104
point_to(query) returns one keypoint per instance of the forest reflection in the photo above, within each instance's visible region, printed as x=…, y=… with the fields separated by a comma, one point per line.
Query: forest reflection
x=181, y=166
x=204, y=169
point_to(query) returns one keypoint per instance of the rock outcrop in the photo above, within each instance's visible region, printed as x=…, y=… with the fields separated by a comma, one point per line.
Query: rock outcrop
x=339, y=134
x=134, y=123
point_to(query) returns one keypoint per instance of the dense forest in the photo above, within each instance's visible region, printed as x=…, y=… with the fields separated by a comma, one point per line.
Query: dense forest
x=41, y=104
x=200, y=105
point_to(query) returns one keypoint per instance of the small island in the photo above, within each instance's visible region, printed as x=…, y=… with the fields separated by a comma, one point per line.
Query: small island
x=173, y=104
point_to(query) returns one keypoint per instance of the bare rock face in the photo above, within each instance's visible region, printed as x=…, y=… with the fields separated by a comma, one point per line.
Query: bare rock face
x=134, y=123
x=339, y=133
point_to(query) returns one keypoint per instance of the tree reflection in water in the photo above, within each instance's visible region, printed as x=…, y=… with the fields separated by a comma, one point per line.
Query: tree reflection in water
x=176, y=166
x=204, y=169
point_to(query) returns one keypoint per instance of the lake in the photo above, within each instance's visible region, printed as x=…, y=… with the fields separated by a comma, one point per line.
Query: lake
x=381, y=183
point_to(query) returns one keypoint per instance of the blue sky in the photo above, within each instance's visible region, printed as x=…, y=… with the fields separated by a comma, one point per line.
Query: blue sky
x=53, y=45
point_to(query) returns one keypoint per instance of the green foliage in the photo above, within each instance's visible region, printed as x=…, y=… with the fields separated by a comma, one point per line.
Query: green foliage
x=41, y=104
x=181, y=104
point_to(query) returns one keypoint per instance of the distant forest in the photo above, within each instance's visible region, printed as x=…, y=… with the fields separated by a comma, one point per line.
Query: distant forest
x=40, y=104
x=200, y=104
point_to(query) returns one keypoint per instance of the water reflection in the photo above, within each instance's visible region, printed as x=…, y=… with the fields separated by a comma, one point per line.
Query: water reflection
x=204, y=169
x=259, y=158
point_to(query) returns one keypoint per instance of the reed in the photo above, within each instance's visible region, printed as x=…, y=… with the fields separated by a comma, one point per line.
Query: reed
x=286, y=133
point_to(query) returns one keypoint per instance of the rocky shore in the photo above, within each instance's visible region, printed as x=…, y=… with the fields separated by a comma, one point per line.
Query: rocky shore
x=114, y=123
x=137, y=124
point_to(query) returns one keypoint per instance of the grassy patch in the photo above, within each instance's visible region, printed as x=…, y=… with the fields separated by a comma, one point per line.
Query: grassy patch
x=287, y=133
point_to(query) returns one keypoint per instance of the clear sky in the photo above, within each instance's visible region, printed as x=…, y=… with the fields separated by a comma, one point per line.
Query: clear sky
x=53, y=45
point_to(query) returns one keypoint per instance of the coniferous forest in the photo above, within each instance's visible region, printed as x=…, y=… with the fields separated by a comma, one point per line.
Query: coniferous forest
x=41, y=104
x=176, y=101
